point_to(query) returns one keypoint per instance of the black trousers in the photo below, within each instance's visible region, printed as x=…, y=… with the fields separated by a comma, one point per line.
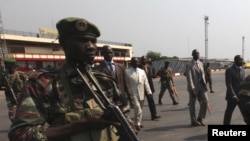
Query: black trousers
x=151, y=105
x=231, y=104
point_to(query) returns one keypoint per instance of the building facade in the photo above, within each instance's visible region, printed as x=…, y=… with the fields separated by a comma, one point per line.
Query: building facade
x=39, y=50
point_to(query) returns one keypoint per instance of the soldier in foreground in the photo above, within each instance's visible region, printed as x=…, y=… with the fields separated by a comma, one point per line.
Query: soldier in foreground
x=62, y=98
x=14, y=81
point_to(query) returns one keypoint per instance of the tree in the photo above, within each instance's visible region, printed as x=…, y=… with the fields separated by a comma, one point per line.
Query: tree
x=153, y=55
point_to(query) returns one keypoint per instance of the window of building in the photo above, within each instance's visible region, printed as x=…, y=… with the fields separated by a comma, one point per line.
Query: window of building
x=17, y=50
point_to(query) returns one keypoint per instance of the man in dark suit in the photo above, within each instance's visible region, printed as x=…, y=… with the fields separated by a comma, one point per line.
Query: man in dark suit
x=150, y=73
x=235, y=74
x=118, y=72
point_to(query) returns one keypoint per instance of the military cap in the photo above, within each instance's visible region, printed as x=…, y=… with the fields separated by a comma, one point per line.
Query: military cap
x=9, y=60
x=76, y=26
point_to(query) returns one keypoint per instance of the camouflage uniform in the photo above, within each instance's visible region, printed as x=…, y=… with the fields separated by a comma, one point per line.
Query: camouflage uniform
x=57, y=98
x=166, y=83
x=208, y=77
x=16, y=80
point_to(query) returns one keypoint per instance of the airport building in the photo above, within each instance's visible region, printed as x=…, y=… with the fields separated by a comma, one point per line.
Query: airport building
x=38, y=50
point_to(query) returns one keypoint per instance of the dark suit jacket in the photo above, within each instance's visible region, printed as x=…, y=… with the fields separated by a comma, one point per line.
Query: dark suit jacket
x=233, y=81
x=121, y=78
x=150, y=77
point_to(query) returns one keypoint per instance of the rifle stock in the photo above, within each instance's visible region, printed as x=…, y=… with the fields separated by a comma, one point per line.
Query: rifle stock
x=111, y=111
x=9, y=89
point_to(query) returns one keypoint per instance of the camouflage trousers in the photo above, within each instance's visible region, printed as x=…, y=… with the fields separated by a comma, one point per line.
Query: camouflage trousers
x=164, y=87
x=11, y=109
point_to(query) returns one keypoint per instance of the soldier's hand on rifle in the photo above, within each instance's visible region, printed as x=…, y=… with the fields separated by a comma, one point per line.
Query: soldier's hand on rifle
x=96, y=122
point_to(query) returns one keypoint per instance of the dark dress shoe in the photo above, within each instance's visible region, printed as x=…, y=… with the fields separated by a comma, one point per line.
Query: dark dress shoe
x=212, y=91
x=137, y=128
x=155, y=117
x=141, y=126
x=175, y=103
x=201, y=122
x=160, y=103
x=195, y=123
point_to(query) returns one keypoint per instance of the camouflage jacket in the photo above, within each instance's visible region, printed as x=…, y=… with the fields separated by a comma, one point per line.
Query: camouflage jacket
x=165, y=74
x=16, y=81
x=208, y=72
x=55, y=98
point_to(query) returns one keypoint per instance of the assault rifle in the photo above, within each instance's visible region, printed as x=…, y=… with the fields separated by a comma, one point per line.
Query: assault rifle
x=111, y=111
x=9, y=90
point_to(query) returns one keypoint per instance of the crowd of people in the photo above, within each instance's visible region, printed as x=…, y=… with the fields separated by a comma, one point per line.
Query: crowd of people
x=74, y=99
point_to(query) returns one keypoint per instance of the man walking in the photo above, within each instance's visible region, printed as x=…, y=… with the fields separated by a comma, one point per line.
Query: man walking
x=234, y=76
x=197, y=89
x=149, y=72
x=167, y=82
x=118, y=72
x=208, y=76
x=139, y=83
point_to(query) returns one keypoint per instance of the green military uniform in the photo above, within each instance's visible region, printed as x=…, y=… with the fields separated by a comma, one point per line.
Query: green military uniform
x=208, y=76
x=16, y=80
x=166, y=83
x=61, y=97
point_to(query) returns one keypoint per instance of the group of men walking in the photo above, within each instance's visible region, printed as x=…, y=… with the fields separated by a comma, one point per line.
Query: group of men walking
x=72, y=98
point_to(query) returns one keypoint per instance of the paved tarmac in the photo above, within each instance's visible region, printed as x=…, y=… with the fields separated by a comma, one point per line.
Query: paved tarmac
x=174, y=124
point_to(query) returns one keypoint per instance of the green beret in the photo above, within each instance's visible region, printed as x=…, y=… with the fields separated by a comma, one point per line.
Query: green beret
x=9, y=60
x=76, y=26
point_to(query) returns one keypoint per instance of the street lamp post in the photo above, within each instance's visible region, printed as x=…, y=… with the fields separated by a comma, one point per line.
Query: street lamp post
x=243, y=48
x=206, y=38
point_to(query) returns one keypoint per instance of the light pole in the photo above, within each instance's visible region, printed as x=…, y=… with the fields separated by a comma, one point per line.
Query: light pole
x=206, y=38
x=243, y=48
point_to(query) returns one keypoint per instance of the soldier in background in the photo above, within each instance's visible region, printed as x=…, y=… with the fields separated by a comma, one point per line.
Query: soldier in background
x=167, y=82
x=208, y=76
x=16, y=80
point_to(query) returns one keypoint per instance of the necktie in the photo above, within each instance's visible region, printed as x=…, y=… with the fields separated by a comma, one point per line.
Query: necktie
x=197, y=66
x=112, y=71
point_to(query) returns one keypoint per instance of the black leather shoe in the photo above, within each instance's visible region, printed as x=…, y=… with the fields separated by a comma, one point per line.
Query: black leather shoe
x=137, y=128
x=212, y=91
x=201, y=122
x=175, y=103
x=160, y=103
x=195, y=123
x=155, y=117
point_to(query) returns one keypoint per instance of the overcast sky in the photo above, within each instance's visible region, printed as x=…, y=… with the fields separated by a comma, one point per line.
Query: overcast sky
x=169, y=27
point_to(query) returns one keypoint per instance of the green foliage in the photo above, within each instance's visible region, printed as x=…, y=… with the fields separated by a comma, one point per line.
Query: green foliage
x=157, y=56
x=153, y=55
